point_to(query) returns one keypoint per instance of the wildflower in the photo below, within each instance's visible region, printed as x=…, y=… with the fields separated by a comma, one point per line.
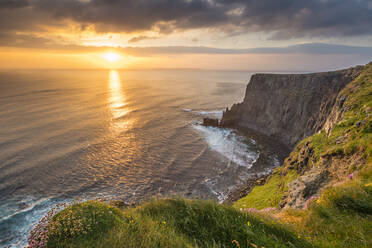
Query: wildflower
x=350, y=176
x=264, y=210
x=164, y=222
x=236, y=242
x=267, y=209
x=309, y=200
x=248, y=223
x=252, y=210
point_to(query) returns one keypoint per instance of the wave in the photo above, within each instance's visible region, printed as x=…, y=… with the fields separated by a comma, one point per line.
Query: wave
x=24, y=215
x=207, y=113
x=230, y=145
x=28, y=206
x=221, y=195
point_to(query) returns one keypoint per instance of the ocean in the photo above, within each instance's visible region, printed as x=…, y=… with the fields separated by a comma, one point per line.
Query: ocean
x=126, y=135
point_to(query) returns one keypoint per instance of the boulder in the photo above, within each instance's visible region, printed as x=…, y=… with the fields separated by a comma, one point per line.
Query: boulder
x=304, y=187
x=210, y=122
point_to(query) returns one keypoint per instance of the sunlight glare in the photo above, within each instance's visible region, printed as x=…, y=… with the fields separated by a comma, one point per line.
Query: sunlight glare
x=111, y=57
x=118, y=102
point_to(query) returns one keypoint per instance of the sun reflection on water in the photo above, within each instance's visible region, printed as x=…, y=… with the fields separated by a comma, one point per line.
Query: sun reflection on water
x=118, y=102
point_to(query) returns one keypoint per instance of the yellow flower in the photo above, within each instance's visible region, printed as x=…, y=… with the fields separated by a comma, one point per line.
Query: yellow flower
x=164, y=222
x=249, y=223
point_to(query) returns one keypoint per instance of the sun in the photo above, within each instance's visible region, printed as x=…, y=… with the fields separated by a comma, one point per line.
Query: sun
x=111, y=57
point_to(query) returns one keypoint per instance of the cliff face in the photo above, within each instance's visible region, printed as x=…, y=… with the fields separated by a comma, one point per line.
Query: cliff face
x=340, y=151
x=288, y=107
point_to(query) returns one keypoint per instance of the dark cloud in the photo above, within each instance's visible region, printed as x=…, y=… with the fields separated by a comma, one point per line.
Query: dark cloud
x=283, y=19
x=9, y=4
x=26, y=41
x=141, y=38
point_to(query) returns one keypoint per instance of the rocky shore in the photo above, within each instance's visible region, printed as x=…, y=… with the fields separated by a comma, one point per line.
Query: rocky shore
x=280, y=110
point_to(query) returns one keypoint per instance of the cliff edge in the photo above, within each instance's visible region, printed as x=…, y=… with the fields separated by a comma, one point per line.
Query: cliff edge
x=288, y=107
x=338, y=149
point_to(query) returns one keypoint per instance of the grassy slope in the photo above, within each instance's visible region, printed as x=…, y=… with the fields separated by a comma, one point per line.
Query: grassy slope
x=342, y=216
x=166, y=223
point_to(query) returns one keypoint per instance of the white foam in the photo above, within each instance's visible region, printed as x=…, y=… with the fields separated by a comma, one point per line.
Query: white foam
x=229, y=145
x=21, y=221
x=220, y=195
x=206, y=113
x=28, y=208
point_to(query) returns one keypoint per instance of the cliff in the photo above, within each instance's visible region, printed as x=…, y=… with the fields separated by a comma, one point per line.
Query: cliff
x=340, y=150
x=288, y=107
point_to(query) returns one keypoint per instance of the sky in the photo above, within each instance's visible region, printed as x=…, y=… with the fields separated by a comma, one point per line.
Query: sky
x=252, y=35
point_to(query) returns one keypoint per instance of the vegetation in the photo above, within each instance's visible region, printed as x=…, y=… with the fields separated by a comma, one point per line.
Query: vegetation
x=163, y=223
x=341, y=217
x=269, y=194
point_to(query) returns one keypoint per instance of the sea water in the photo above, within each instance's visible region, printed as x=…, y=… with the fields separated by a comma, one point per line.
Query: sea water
x=127, y=135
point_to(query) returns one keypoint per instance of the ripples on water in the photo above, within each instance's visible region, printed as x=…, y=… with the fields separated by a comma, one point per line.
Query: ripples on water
x=114, y=134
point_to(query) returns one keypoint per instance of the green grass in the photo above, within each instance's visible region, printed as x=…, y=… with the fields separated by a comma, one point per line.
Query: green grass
x=166, y=223
x=81, y=223
x=269, y=194
x=342, y=217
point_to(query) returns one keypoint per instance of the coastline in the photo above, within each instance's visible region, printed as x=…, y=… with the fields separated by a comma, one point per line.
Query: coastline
x=268, y=146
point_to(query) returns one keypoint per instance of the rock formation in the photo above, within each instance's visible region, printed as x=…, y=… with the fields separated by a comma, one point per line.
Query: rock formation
x=328, y=112
x=210, y=122
x=288, y=107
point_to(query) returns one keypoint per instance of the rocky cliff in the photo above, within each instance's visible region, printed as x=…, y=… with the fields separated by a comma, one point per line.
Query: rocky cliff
x=288, y=107
x=340, y=149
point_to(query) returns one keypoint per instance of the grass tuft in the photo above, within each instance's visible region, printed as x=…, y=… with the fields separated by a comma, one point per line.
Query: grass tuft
x=166, y=223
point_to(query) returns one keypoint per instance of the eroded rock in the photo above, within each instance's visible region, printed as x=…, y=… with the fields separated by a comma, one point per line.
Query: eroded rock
x=290, y=107
x=304, y=187
x=210, y=122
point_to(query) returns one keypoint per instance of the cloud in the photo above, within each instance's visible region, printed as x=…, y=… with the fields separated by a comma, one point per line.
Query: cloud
x=282, y=19
x=141, y=38
x=314, y=48
x=26, y=41
x=309, y=48
x=8, y=4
